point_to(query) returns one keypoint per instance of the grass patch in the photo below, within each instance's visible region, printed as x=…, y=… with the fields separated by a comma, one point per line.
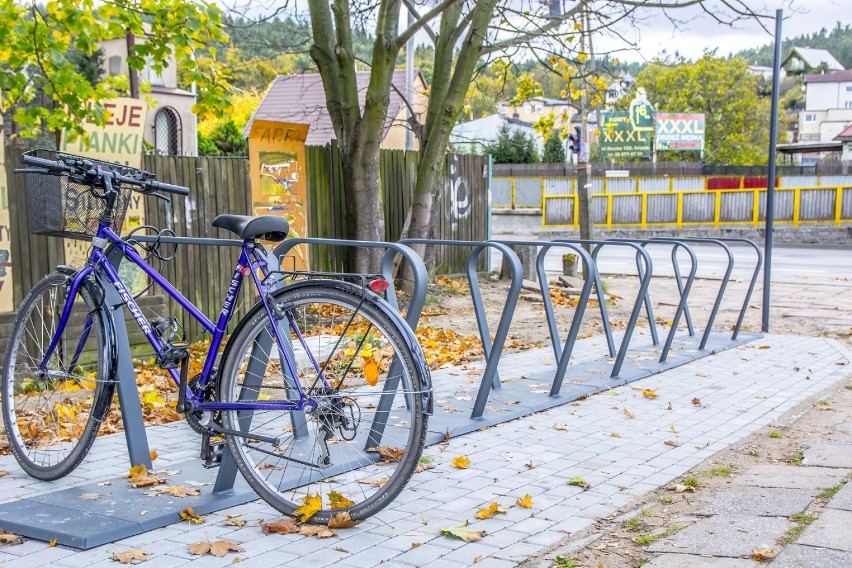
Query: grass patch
x=802, y=521
x=667, y=499
x=775, y=434
x=634, y=525
x=721, y=471
x=753, y=453
x=796, y=459
x=647, y=513
x=848, y=387
x=829, y=492
x=691, y=481
x=649, y=539
x=564, y=562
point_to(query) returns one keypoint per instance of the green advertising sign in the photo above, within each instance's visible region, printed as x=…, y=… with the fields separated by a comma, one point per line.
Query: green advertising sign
x=621, y=139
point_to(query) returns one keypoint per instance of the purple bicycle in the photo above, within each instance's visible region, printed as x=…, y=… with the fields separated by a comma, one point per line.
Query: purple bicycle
x=321, y=394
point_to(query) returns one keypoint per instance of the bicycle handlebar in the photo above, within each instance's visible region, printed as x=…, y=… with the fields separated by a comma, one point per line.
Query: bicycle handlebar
x=84, y=167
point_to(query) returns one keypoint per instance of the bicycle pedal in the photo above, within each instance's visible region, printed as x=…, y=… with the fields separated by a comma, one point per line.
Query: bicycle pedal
x=215, y=451
x=172, y=355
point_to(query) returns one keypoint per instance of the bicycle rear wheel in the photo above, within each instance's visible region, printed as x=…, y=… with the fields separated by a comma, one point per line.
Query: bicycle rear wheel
x=357, y=450
x=52, y=416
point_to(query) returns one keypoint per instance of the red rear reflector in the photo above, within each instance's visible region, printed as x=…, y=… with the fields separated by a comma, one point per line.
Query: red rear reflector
x=379, y=285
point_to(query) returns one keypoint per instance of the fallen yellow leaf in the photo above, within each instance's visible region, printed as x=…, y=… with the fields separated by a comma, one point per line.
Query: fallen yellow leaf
x=52, y=543
x=461, y=462
x=492, y=509
x=153, y=455
x=190, y=516
x=338, y=501
x=526, y=501
x=649, y=393
x=312, y=504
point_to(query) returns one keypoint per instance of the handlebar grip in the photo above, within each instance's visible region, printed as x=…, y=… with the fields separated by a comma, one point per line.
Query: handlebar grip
x=50, y=165
x=167, y=187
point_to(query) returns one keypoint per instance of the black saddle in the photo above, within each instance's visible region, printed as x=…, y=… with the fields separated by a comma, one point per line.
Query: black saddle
x=265, y=227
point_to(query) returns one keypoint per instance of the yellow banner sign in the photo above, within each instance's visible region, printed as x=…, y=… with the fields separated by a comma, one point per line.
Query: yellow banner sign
x=119, y=140
x=278, y=187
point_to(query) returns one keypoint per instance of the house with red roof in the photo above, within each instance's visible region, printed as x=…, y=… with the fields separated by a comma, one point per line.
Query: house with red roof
x=300, y=99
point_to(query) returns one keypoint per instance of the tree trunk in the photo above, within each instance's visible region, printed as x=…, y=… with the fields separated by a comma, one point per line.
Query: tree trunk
x=364, y=211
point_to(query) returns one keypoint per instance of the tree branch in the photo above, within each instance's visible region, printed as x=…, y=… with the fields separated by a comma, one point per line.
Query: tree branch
x=426, y=27
x=423, y=20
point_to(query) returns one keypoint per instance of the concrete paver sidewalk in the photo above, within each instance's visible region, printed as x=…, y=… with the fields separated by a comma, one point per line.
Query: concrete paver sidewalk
x=619, y=456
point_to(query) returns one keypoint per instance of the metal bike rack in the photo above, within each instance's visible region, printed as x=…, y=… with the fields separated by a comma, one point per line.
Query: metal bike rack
x=591, y=277
x=493, y=350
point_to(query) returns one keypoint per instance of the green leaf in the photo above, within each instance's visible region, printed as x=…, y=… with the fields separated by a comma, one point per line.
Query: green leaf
x=461, y=531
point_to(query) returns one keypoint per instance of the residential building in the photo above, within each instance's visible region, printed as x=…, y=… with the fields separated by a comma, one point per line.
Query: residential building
x=804, y=60
x=535, y=108
x=472, y=136
x=300, y=99
x=845, y=137
x=170, y=126
x=828, y=106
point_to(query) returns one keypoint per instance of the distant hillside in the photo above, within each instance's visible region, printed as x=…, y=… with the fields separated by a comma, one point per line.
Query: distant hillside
x=838, y=41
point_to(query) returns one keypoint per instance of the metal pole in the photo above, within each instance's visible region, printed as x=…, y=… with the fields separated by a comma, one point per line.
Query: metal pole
x=409, y=84
x=133, y=78
x=770, y=179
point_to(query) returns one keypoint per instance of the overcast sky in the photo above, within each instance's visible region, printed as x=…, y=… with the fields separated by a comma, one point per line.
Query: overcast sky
x=701, y=32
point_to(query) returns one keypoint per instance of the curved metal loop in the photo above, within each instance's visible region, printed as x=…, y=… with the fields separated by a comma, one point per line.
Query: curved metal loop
x=757, y=267
x=590, y=277
x=418, y=296
x=493, y=350
x=684, y=291
x=645, y=280
x=725, y=279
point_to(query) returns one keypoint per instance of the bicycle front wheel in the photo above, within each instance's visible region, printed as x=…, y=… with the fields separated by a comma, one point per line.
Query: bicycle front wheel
x=52, y=414
x=354, y=452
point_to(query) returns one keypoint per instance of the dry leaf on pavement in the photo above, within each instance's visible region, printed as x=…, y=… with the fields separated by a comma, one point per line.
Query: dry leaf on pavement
x=318, y=531
x=761, y=554
x=629, y=413
x=461, y=462
x=388, y=453
x=312, y=504
x=558, y=426
x=129, y=555
x=189, y=515
x=216, y=548
x=492, y=509
x=342, y=520
x=281, y=526
x=461, y=531
x=526, y=501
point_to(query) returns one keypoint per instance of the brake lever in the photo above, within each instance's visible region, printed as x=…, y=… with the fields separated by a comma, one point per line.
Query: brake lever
x=158, y=195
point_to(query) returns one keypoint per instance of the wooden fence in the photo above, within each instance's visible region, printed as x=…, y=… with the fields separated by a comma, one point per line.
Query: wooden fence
x=221, y=185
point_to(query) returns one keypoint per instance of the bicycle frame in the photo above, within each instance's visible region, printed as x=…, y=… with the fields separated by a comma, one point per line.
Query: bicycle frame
x=250, y=262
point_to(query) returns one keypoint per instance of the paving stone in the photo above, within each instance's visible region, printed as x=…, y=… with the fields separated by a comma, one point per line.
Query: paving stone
x=843, y=499
x=691, y=561
x=798, y=556
x=760, y=501
x=789, y=476
x=733, y=537
x=830, y=454
x=830, y=530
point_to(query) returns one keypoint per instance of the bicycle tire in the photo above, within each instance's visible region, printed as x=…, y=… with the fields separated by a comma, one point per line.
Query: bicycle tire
x=52, y=420
x=270, y=469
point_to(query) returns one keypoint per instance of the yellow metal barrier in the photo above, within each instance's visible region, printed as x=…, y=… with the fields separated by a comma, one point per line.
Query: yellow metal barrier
x=793, y=196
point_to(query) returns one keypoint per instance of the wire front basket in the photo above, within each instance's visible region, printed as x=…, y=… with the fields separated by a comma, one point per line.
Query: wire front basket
x=62, y=207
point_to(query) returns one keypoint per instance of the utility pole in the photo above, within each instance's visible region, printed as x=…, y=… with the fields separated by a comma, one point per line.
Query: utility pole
x=584, y=185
